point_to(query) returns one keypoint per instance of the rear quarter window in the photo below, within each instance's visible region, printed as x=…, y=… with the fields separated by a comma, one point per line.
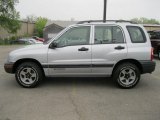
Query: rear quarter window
x=136, y=34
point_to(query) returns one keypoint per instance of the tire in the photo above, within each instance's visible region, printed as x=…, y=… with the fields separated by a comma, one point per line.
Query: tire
x=28, y=74
x=126, y=75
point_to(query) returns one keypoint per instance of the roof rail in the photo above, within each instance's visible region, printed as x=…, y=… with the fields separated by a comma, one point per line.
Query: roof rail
x=90, y=21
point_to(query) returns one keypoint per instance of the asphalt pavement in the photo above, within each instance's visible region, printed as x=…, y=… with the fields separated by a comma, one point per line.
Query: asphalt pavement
x=78, y=98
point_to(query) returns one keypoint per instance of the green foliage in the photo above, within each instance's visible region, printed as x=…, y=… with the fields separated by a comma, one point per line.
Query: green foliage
x=39, y=25
x=5, y=41
x=9, y=40
x=30, y=18
x=143, y=20
x=8, y=16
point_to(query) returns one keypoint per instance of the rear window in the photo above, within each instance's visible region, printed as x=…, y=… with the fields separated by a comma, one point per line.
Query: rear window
x=136, y=33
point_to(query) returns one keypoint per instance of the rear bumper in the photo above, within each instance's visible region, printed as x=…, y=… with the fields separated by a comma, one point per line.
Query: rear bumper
x=148, y=66
x=8, y=67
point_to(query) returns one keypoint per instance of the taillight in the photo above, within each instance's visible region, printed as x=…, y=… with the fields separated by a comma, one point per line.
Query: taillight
x=152, y=54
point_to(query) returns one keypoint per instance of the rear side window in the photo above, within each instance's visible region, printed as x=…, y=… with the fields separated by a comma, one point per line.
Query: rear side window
x=136, y=34
x=108, y=35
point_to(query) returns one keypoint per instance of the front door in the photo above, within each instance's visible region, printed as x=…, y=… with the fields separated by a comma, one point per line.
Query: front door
x=72, y=56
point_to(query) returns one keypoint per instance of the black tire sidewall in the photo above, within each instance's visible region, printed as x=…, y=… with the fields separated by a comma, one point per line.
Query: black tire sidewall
x=124, y=66
x=35, y=67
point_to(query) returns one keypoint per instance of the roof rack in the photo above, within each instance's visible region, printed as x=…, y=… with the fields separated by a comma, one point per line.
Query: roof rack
x=90, y=21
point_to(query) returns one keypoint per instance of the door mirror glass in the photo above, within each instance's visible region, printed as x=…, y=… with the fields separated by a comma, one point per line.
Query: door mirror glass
x=53, y=45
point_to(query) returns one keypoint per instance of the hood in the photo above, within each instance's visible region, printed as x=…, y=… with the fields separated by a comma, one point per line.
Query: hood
x=29, y=51
x=35, y=51
x=29, y=47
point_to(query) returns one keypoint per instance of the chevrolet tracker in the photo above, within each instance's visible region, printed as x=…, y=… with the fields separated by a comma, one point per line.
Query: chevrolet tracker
x=117, y=49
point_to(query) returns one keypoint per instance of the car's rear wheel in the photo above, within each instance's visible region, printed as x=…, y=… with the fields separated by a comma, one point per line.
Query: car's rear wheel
x=28, y=74
x=126, y=75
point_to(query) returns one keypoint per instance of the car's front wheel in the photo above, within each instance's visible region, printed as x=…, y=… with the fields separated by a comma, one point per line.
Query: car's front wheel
x=28, y=74
x=126, y=75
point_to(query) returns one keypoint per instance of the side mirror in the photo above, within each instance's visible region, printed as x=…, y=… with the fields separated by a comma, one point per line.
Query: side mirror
x=53, y=45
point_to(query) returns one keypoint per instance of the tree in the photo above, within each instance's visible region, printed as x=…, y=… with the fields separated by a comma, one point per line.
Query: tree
x=9, y=16
x=143, y=20
x=39, y=25
x=30, y=18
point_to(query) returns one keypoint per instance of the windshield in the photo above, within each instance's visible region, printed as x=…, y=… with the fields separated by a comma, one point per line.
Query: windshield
x=55, y=35
x=47, y=41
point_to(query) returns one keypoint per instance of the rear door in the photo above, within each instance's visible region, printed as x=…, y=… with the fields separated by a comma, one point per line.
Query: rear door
x=108, y=47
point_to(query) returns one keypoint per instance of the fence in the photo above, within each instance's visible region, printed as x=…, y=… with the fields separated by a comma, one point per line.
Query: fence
x=27, y=28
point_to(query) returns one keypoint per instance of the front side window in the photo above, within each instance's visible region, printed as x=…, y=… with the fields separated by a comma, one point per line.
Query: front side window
x=137, y=35
x=74, y=36
x=108, y=35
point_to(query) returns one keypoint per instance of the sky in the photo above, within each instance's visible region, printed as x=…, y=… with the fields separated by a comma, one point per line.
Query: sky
x=89, y=9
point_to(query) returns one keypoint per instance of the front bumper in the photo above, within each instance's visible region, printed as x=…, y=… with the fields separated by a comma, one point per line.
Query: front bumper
x=148, y=66
x=9, y=67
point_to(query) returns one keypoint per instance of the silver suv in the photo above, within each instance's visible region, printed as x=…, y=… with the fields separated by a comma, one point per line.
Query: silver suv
x=117, y=49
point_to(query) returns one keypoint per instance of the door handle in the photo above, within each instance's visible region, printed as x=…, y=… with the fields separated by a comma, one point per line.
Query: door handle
x=83, y=49
x=119, y=48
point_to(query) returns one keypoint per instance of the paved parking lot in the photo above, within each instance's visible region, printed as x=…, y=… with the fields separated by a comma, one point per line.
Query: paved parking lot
x=78, y=98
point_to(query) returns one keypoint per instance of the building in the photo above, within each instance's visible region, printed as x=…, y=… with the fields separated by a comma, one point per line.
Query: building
x=150, y=27
x=27, y=28
x=52, y=28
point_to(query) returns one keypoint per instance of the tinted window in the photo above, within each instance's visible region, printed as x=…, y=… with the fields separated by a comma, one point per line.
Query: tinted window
x=108, y=34
x=137, y=35
x=154, y=34
x=74, y=36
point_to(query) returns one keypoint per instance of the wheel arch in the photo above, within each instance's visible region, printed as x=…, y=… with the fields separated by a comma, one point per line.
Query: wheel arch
x=133, y=61
x=20, y=61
